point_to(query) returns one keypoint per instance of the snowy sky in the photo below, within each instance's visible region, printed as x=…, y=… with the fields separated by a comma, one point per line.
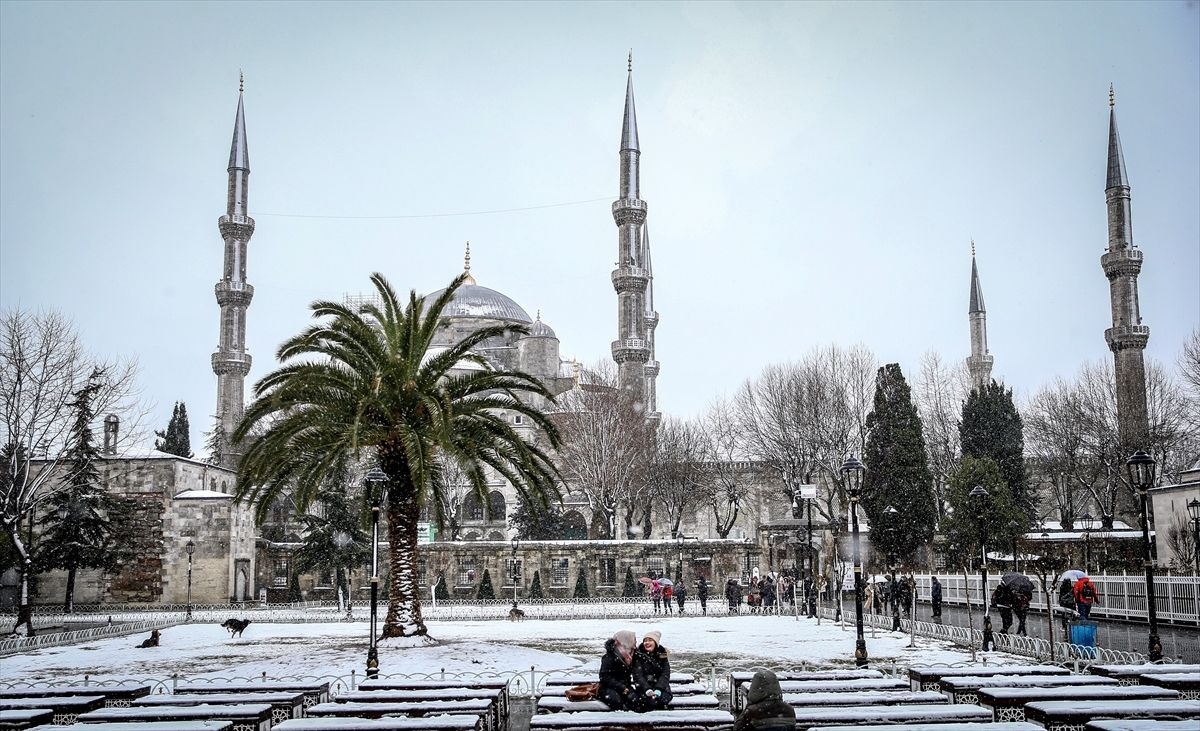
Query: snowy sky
x=814, y=172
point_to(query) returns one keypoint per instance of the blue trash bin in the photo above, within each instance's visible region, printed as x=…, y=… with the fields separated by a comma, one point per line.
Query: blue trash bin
x=1083, y=634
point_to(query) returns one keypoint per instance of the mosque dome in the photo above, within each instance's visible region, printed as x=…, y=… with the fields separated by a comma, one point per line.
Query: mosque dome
x=540, y=329
x=473, y=300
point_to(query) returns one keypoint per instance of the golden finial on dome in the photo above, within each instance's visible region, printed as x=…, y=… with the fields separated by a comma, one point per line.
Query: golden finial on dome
x=467, y=266
x=539, y=315
x=1112, y=97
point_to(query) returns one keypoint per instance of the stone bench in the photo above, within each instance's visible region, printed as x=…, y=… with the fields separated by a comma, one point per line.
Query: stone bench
x=1140, y=725
x=1132, y=674
x=581, y=678
x=865, y=698
x=1008, y=704
x=1070, y=715
x=966, y=726
x=66, y=707
x=481, y=708
x=314, y=692
x=691, y=720
x=559, y=704
x=917, y=715
x=18, y=718
x=1186, y=684
x=740, y=678
x=115, y=696
x=398, y=684
x=560, y=691
x=247, y=717
x=964, y=689
x=494, y=714
x=131, y=726
x=284, y=705
x=397, y=723
x=929, y=678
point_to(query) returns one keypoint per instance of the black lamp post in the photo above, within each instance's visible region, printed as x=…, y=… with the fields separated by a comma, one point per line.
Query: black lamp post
x=189, y=549
x=1015, y=528
x=1087, y=542
x=515, y=570
x=797, y=585
x=979, y=496
x=1141, y=474
x=679, y=539
x=374, y=478
x=1194, y=511
x=889, y=526
x=852, y=472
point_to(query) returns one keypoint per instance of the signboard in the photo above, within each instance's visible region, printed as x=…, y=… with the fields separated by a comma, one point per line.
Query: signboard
x=808, y=492
x=426, y=532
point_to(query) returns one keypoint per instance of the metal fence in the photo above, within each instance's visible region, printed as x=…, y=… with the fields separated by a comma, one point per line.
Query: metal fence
x=13, y=645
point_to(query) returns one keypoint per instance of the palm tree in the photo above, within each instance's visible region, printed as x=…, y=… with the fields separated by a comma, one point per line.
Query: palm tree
x=365, y=380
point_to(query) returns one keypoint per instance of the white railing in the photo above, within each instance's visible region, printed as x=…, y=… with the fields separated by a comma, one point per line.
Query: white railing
x=13, y=645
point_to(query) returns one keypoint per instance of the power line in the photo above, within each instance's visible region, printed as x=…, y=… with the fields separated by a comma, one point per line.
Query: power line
x=434, y=215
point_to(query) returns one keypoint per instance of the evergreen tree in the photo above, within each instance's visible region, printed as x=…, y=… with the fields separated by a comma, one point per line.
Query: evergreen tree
x=535, y=589
x=216, y=442
x=177, y=438
x=486, y=590
x=633, y=588
x=441, y=592
x=998, y=510
x=294, y=593
x=897, y=473
x=581, y=585
x=85, y=527
x=538, y=522
x=992, y=428
x=335, y=537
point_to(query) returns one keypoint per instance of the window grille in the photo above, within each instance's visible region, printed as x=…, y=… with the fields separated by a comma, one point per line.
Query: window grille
x=466, y=571
x=281, y=572
x=655, y=567
x=608, y=571
x=750, y=564
x=560, y=570
x=422, y=573
x=473, y=508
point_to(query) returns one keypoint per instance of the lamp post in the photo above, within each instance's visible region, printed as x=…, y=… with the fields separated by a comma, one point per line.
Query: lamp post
x=889, y=526
x=1194, y=511
x=797, y=586
x=1141, y=474
x=374, y=478
x=979, y=496
x=1087, y=542
x=852, y=472
x=513, y=570
x=189, y=549
x=679, y=565
x=1015, y=528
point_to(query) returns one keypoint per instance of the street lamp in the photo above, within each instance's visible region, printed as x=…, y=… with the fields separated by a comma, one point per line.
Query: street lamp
x=1194, y=511
x=516, y=574
x=1141, y=474
x=1087, y=542
x=189, y=549
x=374, y=478
x=889, y=525
x=979, y=496
x=679, y=566
x=1015, y=528
x=852, y=472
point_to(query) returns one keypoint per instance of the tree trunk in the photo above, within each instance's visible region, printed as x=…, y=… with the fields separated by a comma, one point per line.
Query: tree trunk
x=25, y=611
x=404, y=601
x=69, y=601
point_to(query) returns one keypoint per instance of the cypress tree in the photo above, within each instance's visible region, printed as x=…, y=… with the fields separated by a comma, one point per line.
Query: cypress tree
x=177, y=438
x=992, y=428
x=897, y=473
x=441, y=592
x=535, y=589
x=215, y=444
x=486, y=590
x=294, y=594
x=633, y=588
x=581, y=585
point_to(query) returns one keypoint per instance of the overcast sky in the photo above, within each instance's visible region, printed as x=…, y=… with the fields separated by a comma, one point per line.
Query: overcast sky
x=814, y=172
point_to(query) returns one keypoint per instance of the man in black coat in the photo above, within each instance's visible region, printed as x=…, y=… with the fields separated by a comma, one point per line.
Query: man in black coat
x=616, y=672
x=765, y=709
x=935, y=597
x=702, y=595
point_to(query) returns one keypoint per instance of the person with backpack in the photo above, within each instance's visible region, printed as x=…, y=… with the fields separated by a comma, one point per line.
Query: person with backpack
x=668, y=596
x=1066, y=605
x=1085, y=596
x=1003, y=601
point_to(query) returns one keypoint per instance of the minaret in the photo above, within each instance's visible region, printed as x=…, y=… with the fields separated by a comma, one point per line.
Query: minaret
x=631, y=349
x=651, y=316
x=980, y=361
x=231, y=362
x=1122, y=262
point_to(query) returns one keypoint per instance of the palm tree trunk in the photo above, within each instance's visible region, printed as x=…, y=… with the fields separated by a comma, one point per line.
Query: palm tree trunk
x=404, y=601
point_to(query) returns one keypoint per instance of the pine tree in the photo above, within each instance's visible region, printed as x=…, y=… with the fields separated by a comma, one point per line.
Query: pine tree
x=441, y=592
x=216, y=441
x=486, y=590
x=177, y=438
x=535, y=588
x=85, y=526
x=537, y=522
x=897, y=473
x=999, y=510
x=294, y=593
x=581, y=585
x=991, y=427
x=633, y=587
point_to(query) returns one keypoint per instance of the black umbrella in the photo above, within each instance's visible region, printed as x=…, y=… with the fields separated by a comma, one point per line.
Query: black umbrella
x=1019, y=583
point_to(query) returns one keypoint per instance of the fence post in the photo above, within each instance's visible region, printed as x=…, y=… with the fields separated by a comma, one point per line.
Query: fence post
x=532, y=683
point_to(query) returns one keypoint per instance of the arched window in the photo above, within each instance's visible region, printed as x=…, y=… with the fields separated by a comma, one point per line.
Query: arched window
x=472, y=508
x=496, y=536
x=472, y=536
x=496, y=507
x=574, y=526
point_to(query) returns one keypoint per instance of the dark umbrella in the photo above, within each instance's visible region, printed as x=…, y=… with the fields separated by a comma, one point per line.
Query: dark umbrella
x=1019, y=583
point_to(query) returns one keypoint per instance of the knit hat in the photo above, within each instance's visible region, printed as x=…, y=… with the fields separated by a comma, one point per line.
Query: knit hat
x=654, y=635
x=626, y=638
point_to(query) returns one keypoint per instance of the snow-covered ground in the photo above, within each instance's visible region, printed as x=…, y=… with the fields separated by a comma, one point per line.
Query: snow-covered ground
x=477, y=647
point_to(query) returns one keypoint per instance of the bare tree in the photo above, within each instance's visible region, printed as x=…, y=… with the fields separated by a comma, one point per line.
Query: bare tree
x=725, y=460
x=1189, y=363
x=1181, y=539
x=675, y=474
x=43, y=364
x=939, y=393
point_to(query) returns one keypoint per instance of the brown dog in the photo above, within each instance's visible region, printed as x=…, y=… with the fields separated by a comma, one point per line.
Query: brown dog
x=151, y=641
x=515, y=614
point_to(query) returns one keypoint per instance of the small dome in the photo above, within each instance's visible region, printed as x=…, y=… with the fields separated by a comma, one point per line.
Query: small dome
x=540, y=329
x=472, y=300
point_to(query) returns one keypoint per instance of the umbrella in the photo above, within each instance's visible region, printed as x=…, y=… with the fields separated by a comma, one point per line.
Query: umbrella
x=646, y=580
x=1018, y=582
x=664, y=581
x=1072, y=574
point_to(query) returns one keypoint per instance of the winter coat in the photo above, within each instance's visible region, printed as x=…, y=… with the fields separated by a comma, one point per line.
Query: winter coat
x=1002, y=597
x=652, y=671
x=1066, y=594
x=733, y=592
x=1085, y=591
x=616, y=679
x=935, y=592
x=765, y=709
x=702, y=590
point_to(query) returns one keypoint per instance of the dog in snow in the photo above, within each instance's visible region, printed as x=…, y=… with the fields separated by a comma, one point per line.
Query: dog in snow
x=236, y=626
x=515, y=614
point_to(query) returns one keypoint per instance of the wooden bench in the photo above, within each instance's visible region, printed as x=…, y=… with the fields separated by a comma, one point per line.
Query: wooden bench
x=963, y=689
x=115, y=696
x=284, y=705
x=494, y=715
x=1140, y=725
x=314, y=692
x=1132, y=674
x=739, y=678
x=1186, y=684
x=158, y=726
x=247, y=717
x=925, y=715
x=66, y=708
x=865, y=698
x=698, y=720
x=1008, y=704
x=967, y=726
x=1063, y=715
x=18, y=718
x=559, y=704
x=399, y=723
x=929, y=678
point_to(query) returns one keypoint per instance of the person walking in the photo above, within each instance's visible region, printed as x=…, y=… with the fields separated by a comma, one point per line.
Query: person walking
x=935, y=597
x=1002, y=601
x=616, y=672
x=733, y=595
x=1021, y=608
x=668, y=593
x=765, y=708
x=680, y=595
x=651, y=674
x=702, y=595
x=1066, y=605
x=656, y=595
x=1085, y=596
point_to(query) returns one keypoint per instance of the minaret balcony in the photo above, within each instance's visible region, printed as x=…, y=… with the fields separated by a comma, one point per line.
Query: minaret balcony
x=1122, y=337
x=631, y=349
x=629, y=210
x=652, y=368
x=234, y=293
x=630, y=279
x=1122, y=262
x=230, y=363
x=236, y=227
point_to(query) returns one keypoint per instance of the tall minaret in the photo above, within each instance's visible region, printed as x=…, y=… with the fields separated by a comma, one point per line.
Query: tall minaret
x=1122, y=262
x=651, y=315
x=231, y=362
x=631, y=349
x=980, y=361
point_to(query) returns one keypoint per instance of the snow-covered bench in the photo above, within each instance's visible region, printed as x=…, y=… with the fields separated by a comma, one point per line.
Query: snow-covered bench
x=494, y=715
x=928, y=714
x=929, y=678
x=1132, y=674
x=677, y=690
x=25, y=717
x=854, y=685
x=314, y=692
x=246, y=717
x=132, y=726
x=1140, y=725
x=963, y=689
x=1008, y=704
x=117, y=696
x=284, y=704
x=581, y=678
x=692, y=720
x=396, y=684
x=560, y=704
x=1063, y=715
x=1187, y=684
x=966, y=726
x=398, y=723
x=483, y=709
x=65, y=707
x=740, y=678
x=865, y=698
